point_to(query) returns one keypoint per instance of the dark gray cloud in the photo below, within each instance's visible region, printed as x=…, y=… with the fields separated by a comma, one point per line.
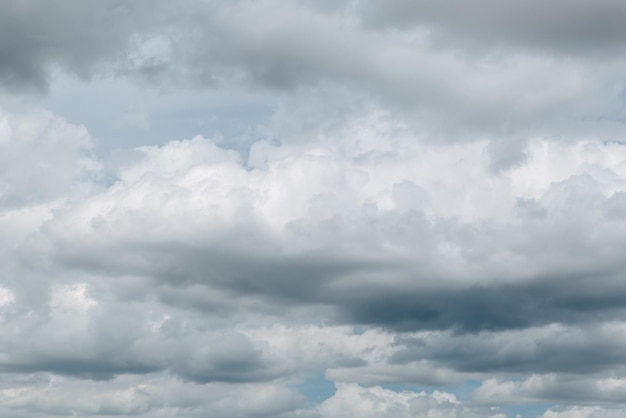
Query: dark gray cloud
x=202, y=277
x=569, y=27
x=492, y=307
x=73, y=335
x=280, y=48
x=40, y=37
x=439, y=87
x=572, y=350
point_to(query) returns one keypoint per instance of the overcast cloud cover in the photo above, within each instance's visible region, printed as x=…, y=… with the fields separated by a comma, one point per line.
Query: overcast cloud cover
x=312, y=209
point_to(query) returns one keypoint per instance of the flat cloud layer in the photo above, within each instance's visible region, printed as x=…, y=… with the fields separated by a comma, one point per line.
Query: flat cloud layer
x=576, y=27
x=429, y=222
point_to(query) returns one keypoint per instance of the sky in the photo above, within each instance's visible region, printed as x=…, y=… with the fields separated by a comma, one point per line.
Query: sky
x=312, y=209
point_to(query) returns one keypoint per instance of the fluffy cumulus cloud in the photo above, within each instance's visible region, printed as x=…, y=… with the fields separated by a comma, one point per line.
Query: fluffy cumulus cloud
x=428, y=221
x=353, y=400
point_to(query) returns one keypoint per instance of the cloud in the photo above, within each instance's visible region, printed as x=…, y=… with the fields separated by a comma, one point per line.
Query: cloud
x=354, y=400
x=145, y=396
x=371, y=227
x=582, y=412
x=562, y=27
x=192, y=242
x=549, y=349
x=298, y=49
x=41, y=36
x=555, y=388
x=513, y=92
x=425, y=201
x=43, y=158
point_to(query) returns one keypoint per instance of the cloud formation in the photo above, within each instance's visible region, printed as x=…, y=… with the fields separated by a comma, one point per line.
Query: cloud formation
x=39, y=37
x=428, y=221
x=562, y=27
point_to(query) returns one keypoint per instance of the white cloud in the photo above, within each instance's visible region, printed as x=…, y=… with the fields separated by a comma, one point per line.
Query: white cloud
x=296, y=198
x=144, y=396
x=583, y=412
x=6, y=297
x=552, y=387
x=43, y=158
x=354, y=400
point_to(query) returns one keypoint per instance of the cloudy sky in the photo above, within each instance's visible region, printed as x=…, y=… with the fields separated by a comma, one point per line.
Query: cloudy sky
x=312, y=209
